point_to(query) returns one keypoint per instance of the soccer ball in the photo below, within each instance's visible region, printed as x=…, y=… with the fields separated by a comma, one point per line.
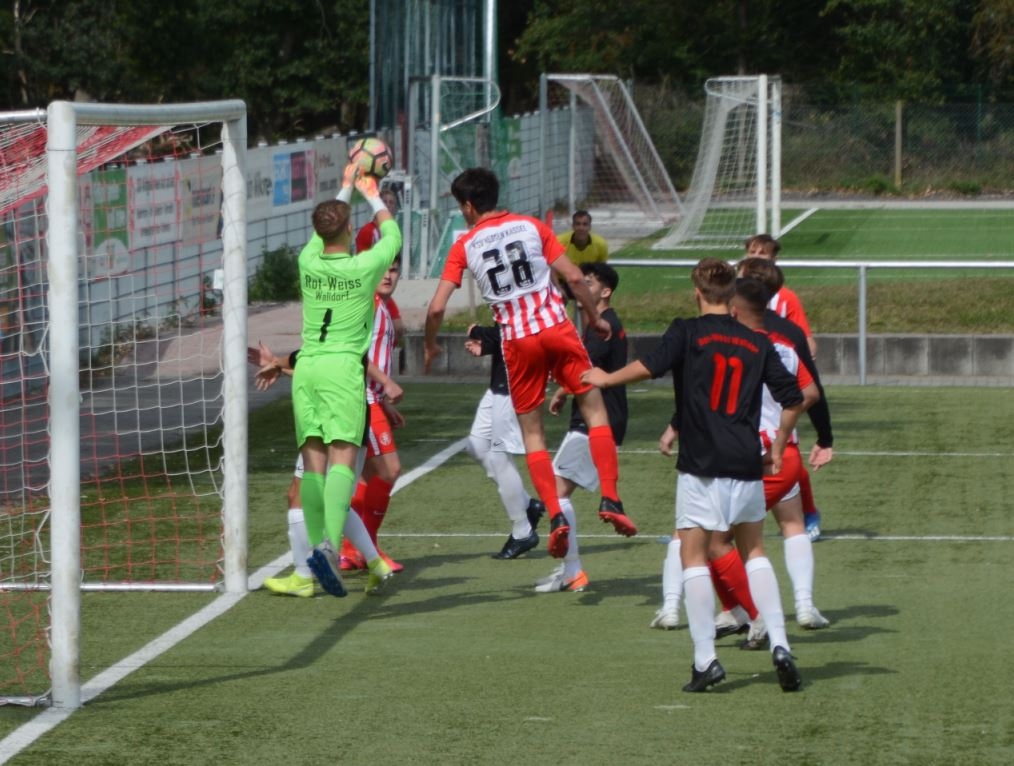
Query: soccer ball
x=372, y=156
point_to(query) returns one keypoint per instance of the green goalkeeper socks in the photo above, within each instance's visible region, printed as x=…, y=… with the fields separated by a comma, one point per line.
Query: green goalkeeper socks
x=338, y=489
x=311, y=495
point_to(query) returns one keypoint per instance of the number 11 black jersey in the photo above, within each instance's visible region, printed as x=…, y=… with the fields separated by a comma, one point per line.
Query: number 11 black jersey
x=719, y=367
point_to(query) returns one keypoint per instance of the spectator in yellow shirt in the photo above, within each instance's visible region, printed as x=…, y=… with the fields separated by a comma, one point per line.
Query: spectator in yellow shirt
x=582, y=247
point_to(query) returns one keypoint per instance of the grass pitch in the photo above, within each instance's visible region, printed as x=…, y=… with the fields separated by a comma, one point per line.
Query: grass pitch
x=463, y=663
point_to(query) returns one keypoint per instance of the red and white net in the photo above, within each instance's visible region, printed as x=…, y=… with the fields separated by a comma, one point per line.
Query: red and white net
x=149, y=211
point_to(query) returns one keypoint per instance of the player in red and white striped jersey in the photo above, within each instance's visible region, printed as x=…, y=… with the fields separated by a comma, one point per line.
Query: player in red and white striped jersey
x=781, y=490
x=785, y=303
x=511, y=257
x=383, y=466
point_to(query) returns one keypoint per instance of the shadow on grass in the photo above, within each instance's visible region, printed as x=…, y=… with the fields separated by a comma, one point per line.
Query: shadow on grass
x=736, y=679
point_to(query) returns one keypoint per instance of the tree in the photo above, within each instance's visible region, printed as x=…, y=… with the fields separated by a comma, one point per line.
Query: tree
x=678, y=42
x=908, y=49
x=302, y=68
x=993, y=41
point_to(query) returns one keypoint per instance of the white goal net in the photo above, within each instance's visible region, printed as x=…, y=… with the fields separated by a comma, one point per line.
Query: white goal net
x=590, y=126
x=123, y=410
x=735, y=189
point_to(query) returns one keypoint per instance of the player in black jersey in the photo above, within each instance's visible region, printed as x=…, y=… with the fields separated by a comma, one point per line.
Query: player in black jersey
x=573, y=464
x=719, y=367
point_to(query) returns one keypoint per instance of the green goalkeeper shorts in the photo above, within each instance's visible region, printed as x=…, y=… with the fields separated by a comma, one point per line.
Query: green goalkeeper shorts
x=329, y=398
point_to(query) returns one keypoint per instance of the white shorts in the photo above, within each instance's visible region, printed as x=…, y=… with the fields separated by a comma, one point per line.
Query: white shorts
x=573, y=461
x=716, y=504
x=496, y=422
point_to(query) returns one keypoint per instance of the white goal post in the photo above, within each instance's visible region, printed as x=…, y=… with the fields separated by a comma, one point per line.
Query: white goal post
x=735, y=191
x=73, y=147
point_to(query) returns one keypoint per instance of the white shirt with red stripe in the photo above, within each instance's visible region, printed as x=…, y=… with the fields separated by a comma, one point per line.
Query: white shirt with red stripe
x=771, y=411
x=786, y=304
x=509, y=256
x=381, y=347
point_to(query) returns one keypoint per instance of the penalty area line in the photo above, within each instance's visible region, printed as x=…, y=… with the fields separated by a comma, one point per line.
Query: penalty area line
x=797, y=220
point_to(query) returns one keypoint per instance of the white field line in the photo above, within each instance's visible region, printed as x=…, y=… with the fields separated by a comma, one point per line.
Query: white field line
x=797, y=220
x=46, y=720
x=665, y=538
x=862, y=453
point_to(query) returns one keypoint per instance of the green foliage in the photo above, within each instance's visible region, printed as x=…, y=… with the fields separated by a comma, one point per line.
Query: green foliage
x=877, y=185
x=909, y=48
x=277, y=276
x=301, y=68
x=966, y=188
x=117, y=343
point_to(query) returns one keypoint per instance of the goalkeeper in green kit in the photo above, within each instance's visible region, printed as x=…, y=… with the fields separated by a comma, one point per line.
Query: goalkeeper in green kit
x=329, y=382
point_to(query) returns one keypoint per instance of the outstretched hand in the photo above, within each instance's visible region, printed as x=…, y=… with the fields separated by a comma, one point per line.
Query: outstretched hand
x=820, y=456
x=350, y=174
x=260, y=356
x=367, y=186
x=266, y=377
x=596, y=376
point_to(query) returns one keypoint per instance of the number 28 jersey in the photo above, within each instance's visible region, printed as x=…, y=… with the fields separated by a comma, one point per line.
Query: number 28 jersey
x=509, y=256
x=719, y=367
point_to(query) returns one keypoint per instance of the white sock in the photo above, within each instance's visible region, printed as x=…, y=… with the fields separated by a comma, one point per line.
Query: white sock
x=509, y=484
x=572, y=561
x=358, y=535
x=298, y=543
x=699, y=598
x=799, y=563
x=764, y=589
x=672, y=576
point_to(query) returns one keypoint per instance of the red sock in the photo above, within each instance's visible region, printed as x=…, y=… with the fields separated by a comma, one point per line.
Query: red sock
x=378, y=498
x=806, y=493
x=358, y=501
x=603, y=454
x=729, y=570
x=348, y=550
x=540, y=469
x=724, y=594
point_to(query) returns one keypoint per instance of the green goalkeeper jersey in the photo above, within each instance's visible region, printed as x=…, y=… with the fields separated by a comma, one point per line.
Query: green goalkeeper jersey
x=338, y=293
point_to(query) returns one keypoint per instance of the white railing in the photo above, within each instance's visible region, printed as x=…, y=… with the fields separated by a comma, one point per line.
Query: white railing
x=862, y=267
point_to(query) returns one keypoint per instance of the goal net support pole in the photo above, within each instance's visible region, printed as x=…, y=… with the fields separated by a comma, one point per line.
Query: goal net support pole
x=737, y=175
x=64, y=390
